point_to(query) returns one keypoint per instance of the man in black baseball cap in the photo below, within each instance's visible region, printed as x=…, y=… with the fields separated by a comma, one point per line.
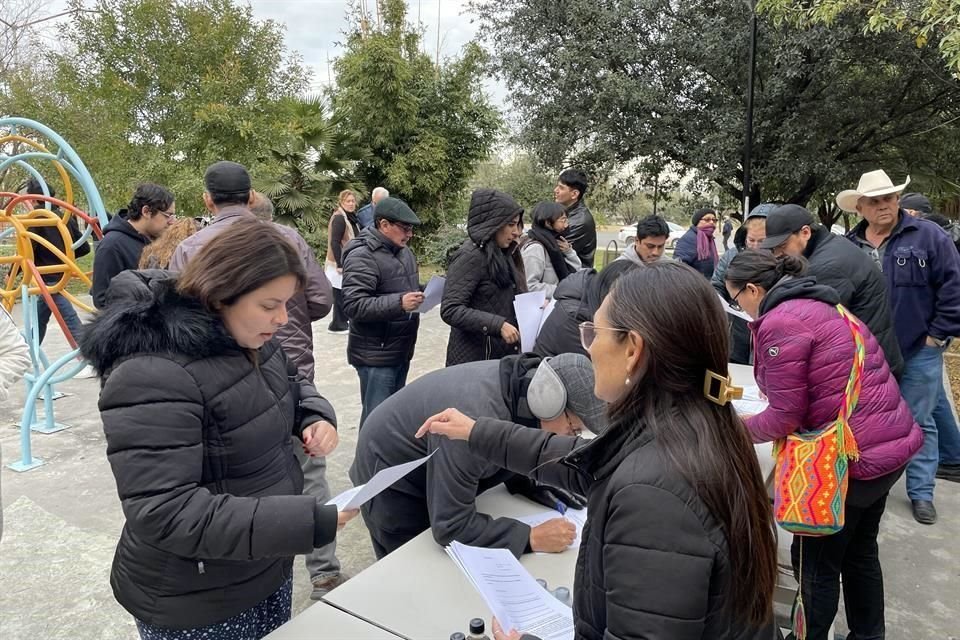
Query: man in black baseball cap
x=788, y=224
x=836, y=262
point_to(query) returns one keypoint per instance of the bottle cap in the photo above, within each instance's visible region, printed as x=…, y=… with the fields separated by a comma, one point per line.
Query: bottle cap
x=457, y=636
x=562, y=593
x=542, y=582
x=476, y=626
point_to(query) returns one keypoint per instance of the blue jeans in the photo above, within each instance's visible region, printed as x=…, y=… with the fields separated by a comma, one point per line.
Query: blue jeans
x=69, y=314
x=948, y=434
x=922, y=386
x=379, y=383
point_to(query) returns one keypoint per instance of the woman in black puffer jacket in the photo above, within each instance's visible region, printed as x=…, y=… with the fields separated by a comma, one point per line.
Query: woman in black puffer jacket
x=199, y=404
x=484, y=276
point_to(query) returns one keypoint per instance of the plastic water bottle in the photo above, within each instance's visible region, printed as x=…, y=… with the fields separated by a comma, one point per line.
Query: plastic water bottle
x=477, y=628
x=563, y=595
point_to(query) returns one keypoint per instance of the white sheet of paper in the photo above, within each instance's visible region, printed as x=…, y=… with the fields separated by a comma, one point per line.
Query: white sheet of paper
x=432, y=294
x=353, y=498
x=752, y=402
x=512, y=594
x=529, y=308
x=546, y=314
x=577, y=516
x=336, y=279
x=732, y=311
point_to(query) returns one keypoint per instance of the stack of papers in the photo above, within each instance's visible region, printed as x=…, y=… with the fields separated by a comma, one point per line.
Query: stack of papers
x=751, y=403
x=532, y=311
x=511, y=593
x=335, y=278
x=352, y=498
x=577, y=516
x=432, y=294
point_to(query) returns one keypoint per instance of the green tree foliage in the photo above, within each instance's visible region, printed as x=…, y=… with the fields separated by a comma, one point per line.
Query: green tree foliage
x=159, y=89
x=521, y=176
x=607, y=84
x=423, y=128
x=924, y=20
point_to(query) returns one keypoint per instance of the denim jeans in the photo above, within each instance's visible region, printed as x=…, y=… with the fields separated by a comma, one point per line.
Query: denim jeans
x=66, y=309
x=853, y=554
x=922, y=386
x=379, y=383
x=948, y=435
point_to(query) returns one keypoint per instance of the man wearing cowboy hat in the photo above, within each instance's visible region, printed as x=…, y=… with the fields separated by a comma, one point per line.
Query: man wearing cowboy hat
x=922, y=270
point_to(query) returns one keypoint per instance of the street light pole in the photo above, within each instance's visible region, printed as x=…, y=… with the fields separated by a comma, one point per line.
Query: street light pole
x=748, y=142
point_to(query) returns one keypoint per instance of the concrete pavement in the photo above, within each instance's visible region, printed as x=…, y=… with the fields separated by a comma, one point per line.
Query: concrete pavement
x=62, y=520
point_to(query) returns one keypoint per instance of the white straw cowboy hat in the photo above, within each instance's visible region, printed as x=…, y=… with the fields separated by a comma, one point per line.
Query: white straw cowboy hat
x=873, y=183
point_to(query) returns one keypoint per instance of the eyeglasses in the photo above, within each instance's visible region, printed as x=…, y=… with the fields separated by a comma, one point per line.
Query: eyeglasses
x=733, y=303
x=588, y=333
x=406, y=228
x=708, y=219
x=168, y=215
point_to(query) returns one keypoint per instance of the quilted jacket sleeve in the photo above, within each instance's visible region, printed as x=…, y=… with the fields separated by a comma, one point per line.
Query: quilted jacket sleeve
x=783, y=378
x=650, y=527
x=464, y=276
x=361, y=278
x=453, y=481
x=313, y=406
x=152, y=413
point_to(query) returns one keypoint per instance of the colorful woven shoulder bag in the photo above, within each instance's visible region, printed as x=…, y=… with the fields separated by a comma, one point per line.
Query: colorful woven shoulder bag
x=811, y=477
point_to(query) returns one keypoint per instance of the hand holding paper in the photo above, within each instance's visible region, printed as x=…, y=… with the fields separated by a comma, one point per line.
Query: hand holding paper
x=352, y=498
x=433, y=293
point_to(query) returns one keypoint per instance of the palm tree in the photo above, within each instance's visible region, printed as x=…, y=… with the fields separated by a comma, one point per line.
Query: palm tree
x=315, y=163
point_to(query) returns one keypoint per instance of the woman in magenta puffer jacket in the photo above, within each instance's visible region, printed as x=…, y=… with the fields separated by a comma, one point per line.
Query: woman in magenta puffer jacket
x=803, y=355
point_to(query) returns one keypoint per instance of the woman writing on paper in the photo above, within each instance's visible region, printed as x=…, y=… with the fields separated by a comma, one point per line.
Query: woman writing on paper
x=342, y=228
x=679, y=541
x=804, y=351
x=198, y=403
x=484, y=276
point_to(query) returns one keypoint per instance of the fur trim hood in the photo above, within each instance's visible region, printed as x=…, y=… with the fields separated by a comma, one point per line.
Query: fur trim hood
x=147, y=315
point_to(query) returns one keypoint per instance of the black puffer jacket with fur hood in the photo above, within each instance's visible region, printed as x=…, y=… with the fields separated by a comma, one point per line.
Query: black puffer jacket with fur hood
x=198, y=435
x=474, y=304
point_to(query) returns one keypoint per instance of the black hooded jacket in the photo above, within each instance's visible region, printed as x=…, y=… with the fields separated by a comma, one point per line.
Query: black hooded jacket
x=838, y=263
x=474, y=304
x=119, y=250
x=198, y=438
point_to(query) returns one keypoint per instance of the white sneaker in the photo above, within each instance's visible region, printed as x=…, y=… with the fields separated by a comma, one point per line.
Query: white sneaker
x=86, y=372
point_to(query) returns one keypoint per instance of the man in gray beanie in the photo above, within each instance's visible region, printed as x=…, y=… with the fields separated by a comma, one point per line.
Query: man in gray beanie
x=554, y=394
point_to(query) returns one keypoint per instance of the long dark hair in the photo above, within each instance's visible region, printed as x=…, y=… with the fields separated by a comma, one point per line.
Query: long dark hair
x=685, y=335
x=762, y=269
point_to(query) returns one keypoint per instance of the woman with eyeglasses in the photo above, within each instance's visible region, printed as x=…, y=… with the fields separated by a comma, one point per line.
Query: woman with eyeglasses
x=151, y=211
x=484, y=276
x=804, y=352
x=679, y=542
x=547, y=257
x=697, y=247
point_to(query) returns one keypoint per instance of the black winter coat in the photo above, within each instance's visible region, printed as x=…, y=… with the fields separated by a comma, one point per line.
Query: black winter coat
x=838, y=263
x=376, y=274
x=653, y=562
x=119, y=250
x=198, y=437
x=561, y=330
x=582, y=232
x=474, y=305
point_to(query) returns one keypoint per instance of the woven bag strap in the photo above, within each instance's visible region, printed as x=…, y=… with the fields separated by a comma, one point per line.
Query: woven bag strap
x=847, y=444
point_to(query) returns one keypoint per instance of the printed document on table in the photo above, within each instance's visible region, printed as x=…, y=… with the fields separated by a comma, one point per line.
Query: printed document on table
x=733, y=312
x=512, y=594
x=751, y=403
x=432, y=294
x=352, y=498
x=577, y=516
x=335, y=278
x=529, y=308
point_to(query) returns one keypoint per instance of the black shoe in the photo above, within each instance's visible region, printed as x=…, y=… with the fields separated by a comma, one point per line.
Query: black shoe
x=924, y=512
x=950, y=472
